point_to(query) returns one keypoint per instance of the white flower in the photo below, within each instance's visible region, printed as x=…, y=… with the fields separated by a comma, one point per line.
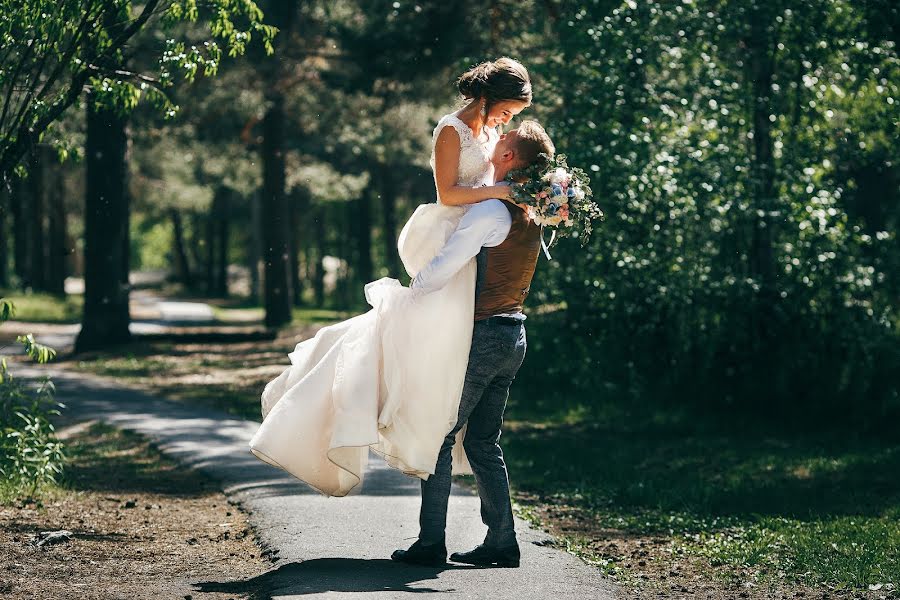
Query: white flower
x=559, y=175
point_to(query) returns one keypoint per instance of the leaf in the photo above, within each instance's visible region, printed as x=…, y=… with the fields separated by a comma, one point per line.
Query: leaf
x=38, y=352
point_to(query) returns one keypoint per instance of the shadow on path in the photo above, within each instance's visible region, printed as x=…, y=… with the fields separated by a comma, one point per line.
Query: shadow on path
x=333, y=575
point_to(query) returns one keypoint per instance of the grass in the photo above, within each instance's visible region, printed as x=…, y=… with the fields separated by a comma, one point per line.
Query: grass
x=44, y=308
x=816, y=509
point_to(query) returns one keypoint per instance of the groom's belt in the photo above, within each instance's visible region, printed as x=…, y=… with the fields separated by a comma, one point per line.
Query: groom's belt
x=503, y=320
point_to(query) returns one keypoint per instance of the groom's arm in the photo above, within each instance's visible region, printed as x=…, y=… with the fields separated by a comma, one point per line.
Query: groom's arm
x=484, y=224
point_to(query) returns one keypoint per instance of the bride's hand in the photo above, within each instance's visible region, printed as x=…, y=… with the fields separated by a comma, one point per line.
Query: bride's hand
x=503, y=191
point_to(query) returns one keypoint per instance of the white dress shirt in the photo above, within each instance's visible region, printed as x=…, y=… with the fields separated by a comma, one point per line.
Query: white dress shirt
x=484, y=224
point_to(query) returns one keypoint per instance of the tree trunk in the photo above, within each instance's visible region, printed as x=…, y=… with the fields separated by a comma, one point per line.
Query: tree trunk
x=319, y=272
x=195, y=244
x=182, y=265
x=275, y=218
x=209, y=263
x=57, y=236
x=389, y=216
x=361, y=227
x=222, y=223
x=105, y=318
x=255, y=250
x=4, y=235
x=294, y=239
x=37, y=262
x=277, y=282
x=17, y=204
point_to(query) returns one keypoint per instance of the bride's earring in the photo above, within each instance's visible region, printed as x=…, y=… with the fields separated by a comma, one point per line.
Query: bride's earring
x=483, y=108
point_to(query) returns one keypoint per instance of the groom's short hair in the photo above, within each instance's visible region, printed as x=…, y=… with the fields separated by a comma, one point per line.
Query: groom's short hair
x=532, y=142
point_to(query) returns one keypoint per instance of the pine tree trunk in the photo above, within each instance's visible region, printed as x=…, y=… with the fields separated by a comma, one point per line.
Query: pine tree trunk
x=254, y=253
x=222, y=226
x=389, y=216
x=57, y=235
x=182, y=264
x=319, y=266
x=209, y=263
x=361, y=227
x=4, y=235
x=105, y=318
x=277, y=282
x=274, y=216
x=36, y=247
x=294, y=250
x=17, y=204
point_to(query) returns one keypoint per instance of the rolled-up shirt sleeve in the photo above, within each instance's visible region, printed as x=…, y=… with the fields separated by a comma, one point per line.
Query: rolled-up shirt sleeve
x=484, y=224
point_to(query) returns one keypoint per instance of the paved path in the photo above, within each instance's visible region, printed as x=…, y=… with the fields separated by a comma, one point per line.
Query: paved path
x=326, y=547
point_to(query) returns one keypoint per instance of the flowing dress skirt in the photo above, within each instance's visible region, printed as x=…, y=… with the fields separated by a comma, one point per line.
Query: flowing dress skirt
x=389, y=380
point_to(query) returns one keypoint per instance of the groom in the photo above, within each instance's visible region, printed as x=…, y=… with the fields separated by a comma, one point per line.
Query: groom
x=507, y=245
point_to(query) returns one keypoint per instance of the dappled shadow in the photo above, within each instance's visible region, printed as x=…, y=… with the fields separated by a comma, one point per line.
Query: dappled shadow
x=333, y=575
x=117, y=462
x=709, y=475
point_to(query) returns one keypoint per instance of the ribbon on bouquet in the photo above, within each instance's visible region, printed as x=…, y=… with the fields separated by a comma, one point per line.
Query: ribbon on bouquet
x=545, y=245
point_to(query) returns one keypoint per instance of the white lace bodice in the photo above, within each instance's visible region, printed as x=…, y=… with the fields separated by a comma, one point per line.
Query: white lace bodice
x=474, y=153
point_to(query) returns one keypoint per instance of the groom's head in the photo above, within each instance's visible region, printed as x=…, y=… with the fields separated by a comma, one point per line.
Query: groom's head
x=521, y=147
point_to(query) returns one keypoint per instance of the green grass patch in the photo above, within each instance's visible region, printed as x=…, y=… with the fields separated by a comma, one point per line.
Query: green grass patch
x=855, y=552
x=817, y=509
x=39, y=307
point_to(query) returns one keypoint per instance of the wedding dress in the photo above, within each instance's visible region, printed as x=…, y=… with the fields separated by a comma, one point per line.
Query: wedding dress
x=389, y=379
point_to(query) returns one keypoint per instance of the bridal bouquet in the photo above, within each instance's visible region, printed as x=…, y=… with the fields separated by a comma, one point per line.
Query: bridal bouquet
x=557, y=196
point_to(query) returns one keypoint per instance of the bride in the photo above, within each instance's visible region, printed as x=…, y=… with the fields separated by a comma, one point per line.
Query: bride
x=391, y=379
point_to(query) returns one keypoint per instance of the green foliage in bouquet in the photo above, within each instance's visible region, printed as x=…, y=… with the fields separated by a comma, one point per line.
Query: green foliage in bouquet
x=557, y=196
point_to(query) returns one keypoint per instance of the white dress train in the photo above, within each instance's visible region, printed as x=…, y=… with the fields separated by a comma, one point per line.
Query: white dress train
x=389, y=379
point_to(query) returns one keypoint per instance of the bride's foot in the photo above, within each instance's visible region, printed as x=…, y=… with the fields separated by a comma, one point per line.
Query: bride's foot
x=433, y=555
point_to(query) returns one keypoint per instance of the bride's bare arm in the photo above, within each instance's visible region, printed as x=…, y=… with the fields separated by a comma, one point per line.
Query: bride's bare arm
x=446, y=164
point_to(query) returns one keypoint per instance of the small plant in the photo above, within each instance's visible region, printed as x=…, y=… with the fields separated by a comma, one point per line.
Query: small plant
x=30, y=453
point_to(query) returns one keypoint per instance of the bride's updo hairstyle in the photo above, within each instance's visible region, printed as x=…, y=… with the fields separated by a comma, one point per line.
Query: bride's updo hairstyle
x=495, y=81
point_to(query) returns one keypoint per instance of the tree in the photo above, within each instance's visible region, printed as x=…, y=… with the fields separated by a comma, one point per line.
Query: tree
x=52, y=50
x=105, y=317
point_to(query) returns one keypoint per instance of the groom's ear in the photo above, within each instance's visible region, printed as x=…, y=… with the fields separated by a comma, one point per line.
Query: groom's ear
x=508, y=155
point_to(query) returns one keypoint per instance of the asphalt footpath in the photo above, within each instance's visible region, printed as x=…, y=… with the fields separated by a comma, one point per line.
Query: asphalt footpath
x=324, y=547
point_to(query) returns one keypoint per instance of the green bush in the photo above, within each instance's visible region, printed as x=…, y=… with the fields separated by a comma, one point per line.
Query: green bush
x=741, y=266
x=30, y=454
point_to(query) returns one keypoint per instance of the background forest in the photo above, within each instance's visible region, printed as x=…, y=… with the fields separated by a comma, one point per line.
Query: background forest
x=745, y=155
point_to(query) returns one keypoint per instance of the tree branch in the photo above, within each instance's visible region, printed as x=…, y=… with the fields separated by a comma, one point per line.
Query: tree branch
x=26, y=136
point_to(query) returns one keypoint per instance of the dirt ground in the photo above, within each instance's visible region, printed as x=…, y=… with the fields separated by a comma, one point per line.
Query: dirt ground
x=141, y=528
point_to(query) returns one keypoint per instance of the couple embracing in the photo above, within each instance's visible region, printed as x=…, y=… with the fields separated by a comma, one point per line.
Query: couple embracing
x=423, y=377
